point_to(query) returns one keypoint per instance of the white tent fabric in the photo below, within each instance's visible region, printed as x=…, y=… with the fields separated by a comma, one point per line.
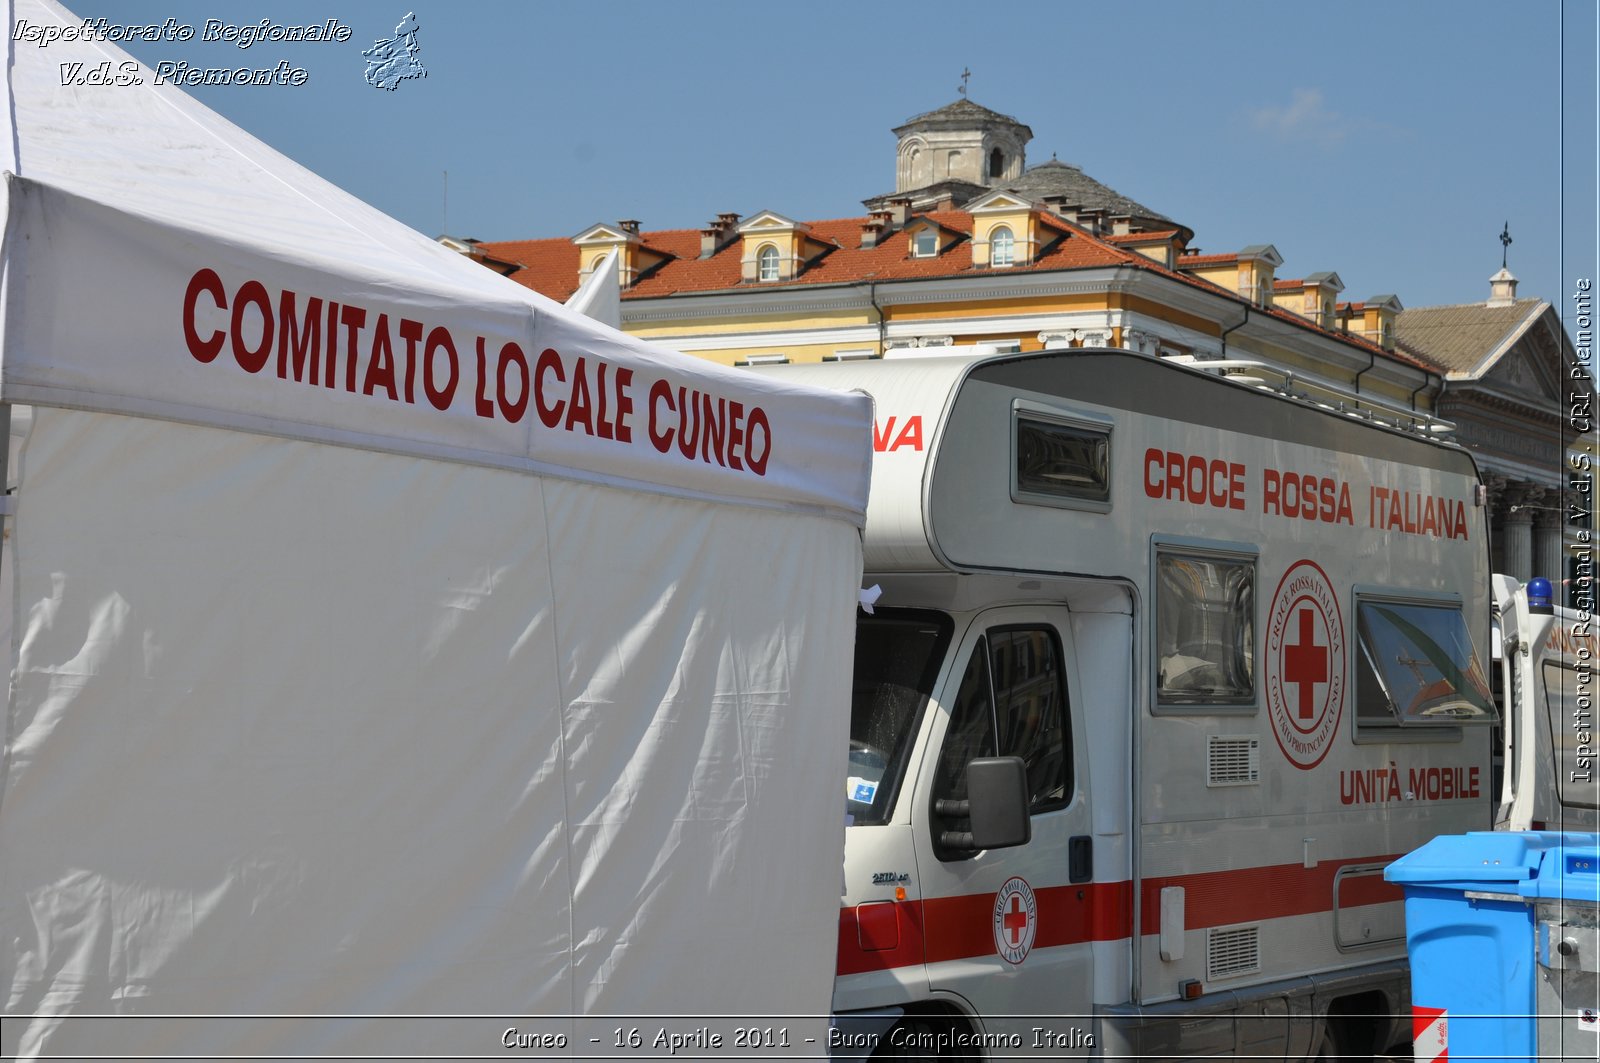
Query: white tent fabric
x=600, y=297
x=352, y=701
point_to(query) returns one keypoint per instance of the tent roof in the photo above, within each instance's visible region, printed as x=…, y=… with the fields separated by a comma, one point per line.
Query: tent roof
x=131, y=193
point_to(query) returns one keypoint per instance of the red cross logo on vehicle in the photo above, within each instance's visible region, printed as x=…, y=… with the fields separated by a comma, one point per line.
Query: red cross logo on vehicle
x=1304, y=664
x=1016, y=920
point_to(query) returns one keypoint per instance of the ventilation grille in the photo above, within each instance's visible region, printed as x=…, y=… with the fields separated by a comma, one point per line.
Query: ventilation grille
x=1233, y=760
x=1233, y=951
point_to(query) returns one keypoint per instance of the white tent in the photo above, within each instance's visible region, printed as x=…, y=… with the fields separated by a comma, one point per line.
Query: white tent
x=384, y=639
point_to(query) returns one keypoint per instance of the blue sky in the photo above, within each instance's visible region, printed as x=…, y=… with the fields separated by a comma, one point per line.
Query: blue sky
x=1386, y=141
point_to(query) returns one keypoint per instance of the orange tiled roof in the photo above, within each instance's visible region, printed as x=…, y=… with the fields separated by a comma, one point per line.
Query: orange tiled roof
x=551, y=266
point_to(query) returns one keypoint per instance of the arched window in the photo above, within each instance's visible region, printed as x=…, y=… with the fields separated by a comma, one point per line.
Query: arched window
x=997, y=163
x=596, y=264
x=767, y=263
x=1002, y=246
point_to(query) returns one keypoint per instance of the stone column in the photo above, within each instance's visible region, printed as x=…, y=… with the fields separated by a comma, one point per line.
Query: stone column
x=1517, y=535
x=1549, y=559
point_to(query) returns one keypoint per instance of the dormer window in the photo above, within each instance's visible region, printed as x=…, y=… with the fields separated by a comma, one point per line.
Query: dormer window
x=926, y=243
x=1002, y=247
x=767, y=263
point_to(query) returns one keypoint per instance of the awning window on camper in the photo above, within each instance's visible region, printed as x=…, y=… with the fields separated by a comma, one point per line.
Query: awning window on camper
x=1060, y=461
x=1416, y=667
x=1205, y=631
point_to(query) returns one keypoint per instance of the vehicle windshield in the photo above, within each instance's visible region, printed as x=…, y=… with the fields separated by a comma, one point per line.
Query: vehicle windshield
x=898, y=653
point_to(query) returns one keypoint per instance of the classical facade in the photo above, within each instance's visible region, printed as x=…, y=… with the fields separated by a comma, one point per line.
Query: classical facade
x=1511, y=375
x=975, y=246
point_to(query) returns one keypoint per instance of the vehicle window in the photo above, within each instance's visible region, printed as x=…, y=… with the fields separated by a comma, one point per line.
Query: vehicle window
x=1205, y=631
x=1031, y=710
x=898, y=653
x=1417, y=667
x=1570, y=743
x=1012, y=702
x=1060, y=461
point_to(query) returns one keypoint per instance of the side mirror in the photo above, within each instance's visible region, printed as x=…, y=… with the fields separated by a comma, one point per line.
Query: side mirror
x=997, y=793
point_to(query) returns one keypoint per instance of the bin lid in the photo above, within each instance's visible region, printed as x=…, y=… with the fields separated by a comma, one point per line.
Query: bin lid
x=1479, y=857
x=1569, y=872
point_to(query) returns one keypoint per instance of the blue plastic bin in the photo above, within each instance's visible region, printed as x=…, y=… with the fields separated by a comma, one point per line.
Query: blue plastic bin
x=1471, y=932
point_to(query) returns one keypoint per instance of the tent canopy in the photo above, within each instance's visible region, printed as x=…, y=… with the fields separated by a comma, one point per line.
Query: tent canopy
x=384, y=639
x=163, y=262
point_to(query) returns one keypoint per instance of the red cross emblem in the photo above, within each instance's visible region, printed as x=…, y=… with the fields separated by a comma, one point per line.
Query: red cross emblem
x=1016, y=920
x=1305, y=664
x=1305, y=660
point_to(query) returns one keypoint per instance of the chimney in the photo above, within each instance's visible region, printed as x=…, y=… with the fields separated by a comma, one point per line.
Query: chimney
x=871, y=232
x=1058, y=205
x=1502, y=288
x=715, y=236
x=628, y=225
x=899, y=211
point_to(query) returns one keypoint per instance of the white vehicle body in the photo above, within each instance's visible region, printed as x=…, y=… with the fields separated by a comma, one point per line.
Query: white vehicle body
x=1545, y=662
x=1204, y=875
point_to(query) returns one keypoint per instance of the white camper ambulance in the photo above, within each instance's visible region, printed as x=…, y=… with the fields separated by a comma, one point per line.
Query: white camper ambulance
x=1544, y=680
x=1164, y=671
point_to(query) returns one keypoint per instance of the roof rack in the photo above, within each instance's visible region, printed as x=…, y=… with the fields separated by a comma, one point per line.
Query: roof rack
x=1319, y=392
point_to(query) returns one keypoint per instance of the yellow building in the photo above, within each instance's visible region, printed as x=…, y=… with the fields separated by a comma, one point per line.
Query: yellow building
x=974, y=246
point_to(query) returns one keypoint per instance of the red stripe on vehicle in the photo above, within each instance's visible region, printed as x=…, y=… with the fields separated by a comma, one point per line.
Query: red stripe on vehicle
x=956, y=928
x=1217, y=898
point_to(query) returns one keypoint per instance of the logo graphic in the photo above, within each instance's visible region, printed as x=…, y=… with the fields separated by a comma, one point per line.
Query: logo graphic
x=393, y=61
x=1305, y=664
x=1430, y=1034
x=1016, y=919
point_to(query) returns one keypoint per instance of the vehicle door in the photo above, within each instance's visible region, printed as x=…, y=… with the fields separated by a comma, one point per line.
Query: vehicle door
x=1008, y=930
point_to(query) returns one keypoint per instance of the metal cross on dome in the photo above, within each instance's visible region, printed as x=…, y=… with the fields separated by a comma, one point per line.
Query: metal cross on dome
x=965, y=74
x=1505, y=243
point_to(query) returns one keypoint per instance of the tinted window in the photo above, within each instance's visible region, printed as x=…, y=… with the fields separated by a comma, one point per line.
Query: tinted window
x=898, y=654
x=1012, y=702
x=1062, y=461
x=1205, y=631
x=1417, y=667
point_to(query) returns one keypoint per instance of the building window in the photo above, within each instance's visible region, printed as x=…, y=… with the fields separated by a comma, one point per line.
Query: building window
x=596, y=264
x=997, y=163
x=767, y=263
x=926, y=243
x=1002, y=247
